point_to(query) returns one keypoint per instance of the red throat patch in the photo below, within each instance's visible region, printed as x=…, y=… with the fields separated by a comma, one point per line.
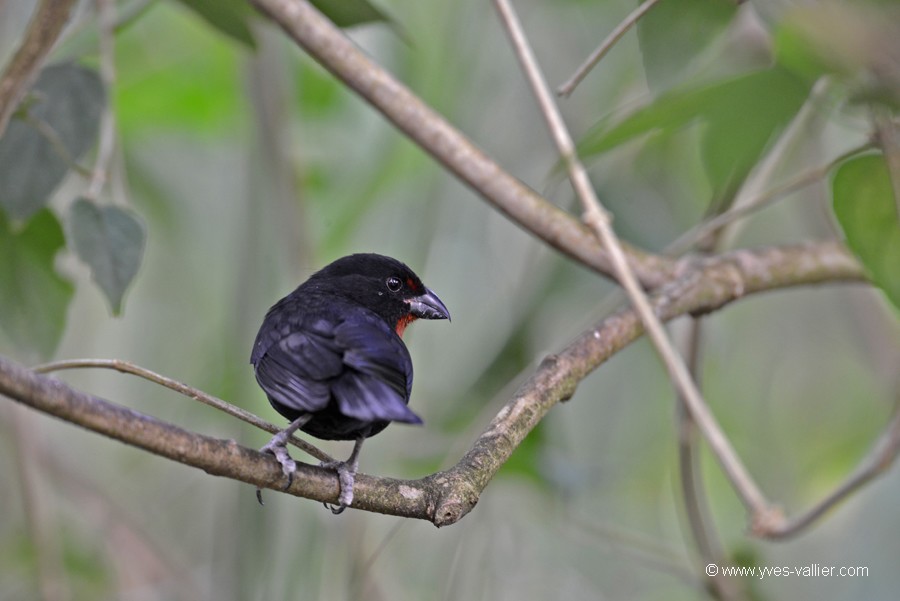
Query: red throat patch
x=403, y=322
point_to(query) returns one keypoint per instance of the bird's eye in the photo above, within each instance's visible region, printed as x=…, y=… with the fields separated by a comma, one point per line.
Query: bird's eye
x=394, y=284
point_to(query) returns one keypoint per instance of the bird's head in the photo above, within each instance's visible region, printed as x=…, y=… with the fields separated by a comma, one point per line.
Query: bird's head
x=385, y=286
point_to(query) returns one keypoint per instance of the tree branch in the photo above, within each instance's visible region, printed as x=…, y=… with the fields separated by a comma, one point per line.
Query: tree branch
x=331, y=48
x=43, y=30
x=703, y=531
x=106, y=146
x=605, y=46
x=879, y=459
x=598, y=218
x=445, y=497
x=189, y=391
x=214, y=456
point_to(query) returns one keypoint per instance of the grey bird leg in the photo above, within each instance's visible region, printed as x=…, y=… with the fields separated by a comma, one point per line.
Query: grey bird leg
x=277, y=446
x=346, y=471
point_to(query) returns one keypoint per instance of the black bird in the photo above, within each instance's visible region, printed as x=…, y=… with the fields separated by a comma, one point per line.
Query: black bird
x=330, y=356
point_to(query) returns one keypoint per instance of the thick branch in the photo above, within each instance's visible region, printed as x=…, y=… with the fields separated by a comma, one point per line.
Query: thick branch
x=43, y=30
x=214, y=456
x=189, y=391
x=445, y=497
x=328, y=45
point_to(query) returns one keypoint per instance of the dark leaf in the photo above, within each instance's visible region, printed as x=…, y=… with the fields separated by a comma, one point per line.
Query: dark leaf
x=33, y=297
x=739, y=116
x=347, y=13
x=230, y=17
x=111, y=241
x=56, y=125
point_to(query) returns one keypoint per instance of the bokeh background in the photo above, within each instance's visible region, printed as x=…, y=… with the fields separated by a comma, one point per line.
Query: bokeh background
x=251, y=170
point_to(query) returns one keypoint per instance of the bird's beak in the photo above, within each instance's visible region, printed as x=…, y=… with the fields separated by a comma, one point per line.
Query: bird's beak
x=428, y=306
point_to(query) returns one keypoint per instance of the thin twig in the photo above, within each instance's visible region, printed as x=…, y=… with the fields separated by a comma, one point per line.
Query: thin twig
x=126, y=367
x=774, y=158
x=800, y=181
x=690, y=478
x=461, y=157
x=889, y=141
x=43, y=30
x=59, y=147
x=883, y=454
x=621, y=29
x=106, y=18
x=598, y=219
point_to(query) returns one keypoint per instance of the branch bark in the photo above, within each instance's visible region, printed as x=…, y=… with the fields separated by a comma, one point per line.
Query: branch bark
x=525, y=207
x=596, y=216
x=445, y=497
x=43, y=31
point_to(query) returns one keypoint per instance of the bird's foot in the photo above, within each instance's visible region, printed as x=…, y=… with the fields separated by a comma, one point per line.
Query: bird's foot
x=346, y=472
x=278, y=447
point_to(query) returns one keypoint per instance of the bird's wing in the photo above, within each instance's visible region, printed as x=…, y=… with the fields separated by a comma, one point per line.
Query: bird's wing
x=377, y=384
x=360, y=362
x=297, y=369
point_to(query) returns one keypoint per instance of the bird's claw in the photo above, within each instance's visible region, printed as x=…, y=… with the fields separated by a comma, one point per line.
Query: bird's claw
x=288, y=465
x=346, y=476
x=277, y=447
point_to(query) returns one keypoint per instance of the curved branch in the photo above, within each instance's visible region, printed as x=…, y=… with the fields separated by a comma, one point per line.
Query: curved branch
x=214, y=456
x=596, y=216
x=189, y=391
x=331, y=48
x=445, y=497
x=878, y=461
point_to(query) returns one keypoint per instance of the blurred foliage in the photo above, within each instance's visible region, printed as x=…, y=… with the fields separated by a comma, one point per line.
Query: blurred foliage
x=230, y=17
x=855, y=43
x=674, y=36
x=753, y=108
x=241, y=167
x=53, y=128
x=111, y=241
x=869, y=213
x=33, y=297
x=192, y=82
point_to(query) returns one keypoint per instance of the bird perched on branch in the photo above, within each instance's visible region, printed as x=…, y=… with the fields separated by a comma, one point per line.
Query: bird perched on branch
x=331, y=359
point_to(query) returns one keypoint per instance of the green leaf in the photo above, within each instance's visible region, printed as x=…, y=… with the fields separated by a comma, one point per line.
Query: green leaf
x=230, y=17
x=672, y=34
x=33, y=297
x=869, y=215
x=740, y=116
x=56, y=125
x=347, y=13
x=111, y=241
